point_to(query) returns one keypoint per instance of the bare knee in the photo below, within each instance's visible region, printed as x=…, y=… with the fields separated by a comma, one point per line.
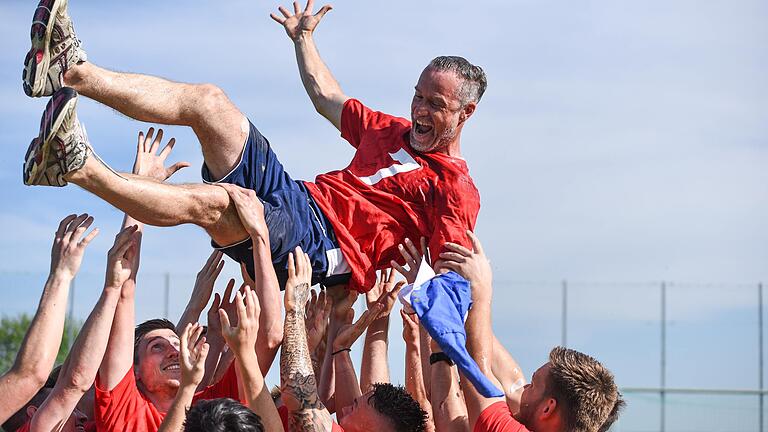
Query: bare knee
x=216, y=213
x=209, y=100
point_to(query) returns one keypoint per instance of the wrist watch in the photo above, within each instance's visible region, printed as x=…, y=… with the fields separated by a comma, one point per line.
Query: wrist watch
x=440, y=356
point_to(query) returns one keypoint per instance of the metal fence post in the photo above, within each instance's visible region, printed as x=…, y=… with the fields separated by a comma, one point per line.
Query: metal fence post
x=760, y=352
x=663, y=368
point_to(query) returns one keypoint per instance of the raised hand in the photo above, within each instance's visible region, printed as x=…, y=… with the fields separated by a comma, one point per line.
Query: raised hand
x=205, y=280
x=151, y=164
x=228, y=303
x=249, y=208
x=192, y=355
x=299, y=280
x=243, y=335
x=120, y=258
x=410, y=328
x=299, y=21
x=318, y=311
x=68, y=248
x=412, y=259
x=471, y=265
x=384, y=292
x=349, y=332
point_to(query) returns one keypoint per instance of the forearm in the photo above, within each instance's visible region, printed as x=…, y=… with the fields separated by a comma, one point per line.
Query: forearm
x=268, y=291
x=480, y=347
x=298, y=384
x=322, y=88
x=425, y=351
x=347, y=388
x=327, y=387
x=414, y=380
x=255, y=393
x=174, y=418
x=38, y=351
x=216, y=346
x=450, y=412
x=190, y=315
x=374, y=367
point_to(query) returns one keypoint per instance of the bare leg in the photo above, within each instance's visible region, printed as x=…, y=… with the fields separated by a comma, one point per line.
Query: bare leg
x=162, y=204
x=218, y=124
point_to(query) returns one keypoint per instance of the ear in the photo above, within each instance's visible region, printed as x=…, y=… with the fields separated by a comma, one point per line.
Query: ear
x=467, y=112
x=31, y=410
x=549, y=409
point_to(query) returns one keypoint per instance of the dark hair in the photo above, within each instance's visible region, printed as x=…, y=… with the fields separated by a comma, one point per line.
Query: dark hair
x=614, y=415
x=399, y=407
x=473, y=77
x=146, y=327
x=18, y=419
x=584, y=387
x=222, y=415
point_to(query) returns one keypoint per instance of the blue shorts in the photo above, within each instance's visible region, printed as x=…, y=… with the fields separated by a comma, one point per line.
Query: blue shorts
x=292, y=216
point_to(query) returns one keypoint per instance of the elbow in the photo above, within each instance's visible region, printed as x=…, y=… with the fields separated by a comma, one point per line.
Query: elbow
x=273, y=337
x=79, y=381
x=33, y=377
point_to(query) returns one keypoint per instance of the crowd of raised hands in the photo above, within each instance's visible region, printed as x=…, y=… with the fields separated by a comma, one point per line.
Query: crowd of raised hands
x=187, y=376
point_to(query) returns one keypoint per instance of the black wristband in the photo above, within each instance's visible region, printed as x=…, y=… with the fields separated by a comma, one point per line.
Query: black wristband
x=341, y=350
x=440, y=356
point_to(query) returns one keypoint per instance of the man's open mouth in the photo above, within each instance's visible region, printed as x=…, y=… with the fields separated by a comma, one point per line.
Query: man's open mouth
x=422, y=128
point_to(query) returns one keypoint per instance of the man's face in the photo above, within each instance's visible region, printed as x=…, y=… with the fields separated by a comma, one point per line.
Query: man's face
x=362, y=416
x=436, y=111
x=534, y=393
x=158, y=353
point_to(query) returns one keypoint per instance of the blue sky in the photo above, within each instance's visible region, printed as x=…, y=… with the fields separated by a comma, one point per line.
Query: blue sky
x=621, y=143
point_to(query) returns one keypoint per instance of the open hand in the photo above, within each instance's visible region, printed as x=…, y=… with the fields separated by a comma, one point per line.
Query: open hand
x=121, y=257
x=384, y=292
x=151, y=164
x=206, y=277
x=249, y=208
x=299, y=280
x=316, y=317
x=243, y=335
x=299, y=21
x=67, y=251
x=192, y=354
x=471, y=265
x=348, y=332
x=412, y=259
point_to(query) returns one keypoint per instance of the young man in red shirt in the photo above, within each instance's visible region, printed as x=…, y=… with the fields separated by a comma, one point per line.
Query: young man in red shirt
x=571, y=392
x=407, y=178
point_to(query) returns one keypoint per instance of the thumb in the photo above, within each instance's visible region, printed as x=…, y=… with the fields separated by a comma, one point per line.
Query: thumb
x=323, y=10
x=175, y=167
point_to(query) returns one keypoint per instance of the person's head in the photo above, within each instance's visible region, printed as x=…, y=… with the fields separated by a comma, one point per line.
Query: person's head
x=446, y=95
x=75, y=422
x=572, y=392
x=221, y=415
x=156, y=356
x=385, y=408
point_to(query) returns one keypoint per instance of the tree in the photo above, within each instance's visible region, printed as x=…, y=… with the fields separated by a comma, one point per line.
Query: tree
x=13, y=330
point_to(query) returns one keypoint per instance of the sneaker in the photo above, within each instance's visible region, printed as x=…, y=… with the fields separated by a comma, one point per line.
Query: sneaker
x=55, y=48
x=62, y=145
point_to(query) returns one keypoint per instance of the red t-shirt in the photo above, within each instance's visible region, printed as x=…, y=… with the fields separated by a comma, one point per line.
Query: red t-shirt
x=25, y=427
x=498, y=418
x=390, y=192
x=125, y=408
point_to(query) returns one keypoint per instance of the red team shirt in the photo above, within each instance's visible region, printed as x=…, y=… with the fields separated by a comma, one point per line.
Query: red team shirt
x=390, y=192
x=498, y=418
x=125, y=409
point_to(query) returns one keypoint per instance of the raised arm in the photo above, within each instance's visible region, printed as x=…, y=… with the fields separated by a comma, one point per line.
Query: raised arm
x=414, y=379
x=347, y=387
x=201, y=293
x=118, y=357
x=241, y=340
x=79, y=371
x=297, y=380
x=374, y=367
x=321, y=86
x=474, y=267
x=192, y=354
x=251, y=212
x=38, y=351
x=449, y=409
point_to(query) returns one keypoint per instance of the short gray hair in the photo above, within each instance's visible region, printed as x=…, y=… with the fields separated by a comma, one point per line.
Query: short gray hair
x=473, y=77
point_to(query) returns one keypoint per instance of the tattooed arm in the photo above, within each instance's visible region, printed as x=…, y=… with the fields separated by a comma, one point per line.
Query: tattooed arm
x=297, y=379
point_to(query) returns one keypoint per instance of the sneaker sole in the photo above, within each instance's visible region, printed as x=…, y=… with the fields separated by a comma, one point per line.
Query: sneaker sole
x=59, y=108
x=38, y=59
